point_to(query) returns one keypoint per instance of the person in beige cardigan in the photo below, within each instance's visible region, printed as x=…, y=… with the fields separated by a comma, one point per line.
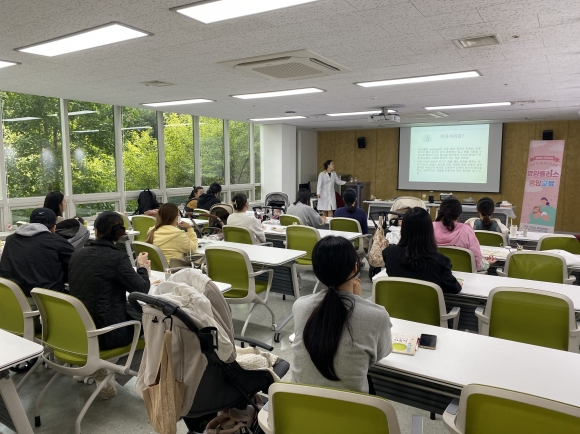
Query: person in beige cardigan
x=167, y=234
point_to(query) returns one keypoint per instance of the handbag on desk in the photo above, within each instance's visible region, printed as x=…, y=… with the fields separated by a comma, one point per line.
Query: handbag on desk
x=380, y=243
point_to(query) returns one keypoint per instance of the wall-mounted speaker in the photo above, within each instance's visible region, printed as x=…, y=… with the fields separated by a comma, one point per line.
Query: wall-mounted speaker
x=548, y=135
x=362, y=143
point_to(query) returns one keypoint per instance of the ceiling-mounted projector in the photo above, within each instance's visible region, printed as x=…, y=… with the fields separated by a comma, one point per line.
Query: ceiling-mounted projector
x=384, y=116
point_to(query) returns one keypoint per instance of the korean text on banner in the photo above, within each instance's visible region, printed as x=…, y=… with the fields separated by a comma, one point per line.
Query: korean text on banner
x=542, y=185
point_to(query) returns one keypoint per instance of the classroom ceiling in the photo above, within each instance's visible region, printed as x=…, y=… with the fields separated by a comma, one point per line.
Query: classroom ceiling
x=537, y=62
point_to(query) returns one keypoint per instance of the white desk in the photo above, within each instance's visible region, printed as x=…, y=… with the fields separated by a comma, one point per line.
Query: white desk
x=430, y=378
x=500, y=253
x=268, y=256
x=278, y=230
x=15, y=350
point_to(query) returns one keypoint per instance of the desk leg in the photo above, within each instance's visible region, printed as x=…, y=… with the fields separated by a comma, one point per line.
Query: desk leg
x=296, y=287
x=13, y=404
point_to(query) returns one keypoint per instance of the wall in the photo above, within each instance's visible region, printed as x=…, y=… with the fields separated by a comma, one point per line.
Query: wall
x=378, y=164
x=278, y=158
x=307, y=156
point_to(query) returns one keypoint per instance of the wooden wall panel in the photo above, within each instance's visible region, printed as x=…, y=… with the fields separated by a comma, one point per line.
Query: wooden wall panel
x=382, y=171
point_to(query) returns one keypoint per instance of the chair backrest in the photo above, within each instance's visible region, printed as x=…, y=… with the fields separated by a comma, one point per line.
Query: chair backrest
x=304, y=238
x=65, y=321
x=142, y=223
x=156, y=256
x=235, y=234
x=530, y=316
x=410, y=299
x=542, y=266
x=568, y=243
x=287, y=220
x=201, y=211
x=461, y=259
x=491, y=238
x=298, y=409
x=346, y=225
x=12, y=309
x=491, y=410
x=126, y=221
x=230, y=265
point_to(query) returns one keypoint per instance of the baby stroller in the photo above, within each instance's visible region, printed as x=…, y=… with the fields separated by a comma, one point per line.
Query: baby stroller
x=220, y=385
x=218, y=217
x=277, y=200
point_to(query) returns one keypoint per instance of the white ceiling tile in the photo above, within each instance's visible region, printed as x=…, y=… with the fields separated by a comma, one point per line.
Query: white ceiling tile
x=437, y=7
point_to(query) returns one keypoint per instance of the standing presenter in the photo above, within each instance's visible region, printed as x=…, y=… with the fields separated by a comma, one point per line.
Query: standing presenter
x=325, y=189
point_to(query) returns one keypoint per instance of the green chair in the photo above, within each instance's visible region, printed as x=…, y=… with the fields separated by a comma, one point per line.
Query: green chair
x=491, y=410
x=493, y=239
x=414, y=300
x=531, y=316
x=288, y=220
x=542, y=266
x=461, y=259
x=231, y=265
x=303, y=238
x=71, y=343
x=16, y=316
x=569, y=243
x=302, y=409
x=350, y=225
x=142, y=224
x=235, y=234
x=126, y=221
x=154, y=253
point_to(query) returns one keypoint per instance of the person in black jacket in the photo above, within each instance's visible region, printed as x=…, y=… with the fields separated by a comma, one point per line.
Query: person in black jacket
x=209, y=199
x=34, y=256
x=416, y=255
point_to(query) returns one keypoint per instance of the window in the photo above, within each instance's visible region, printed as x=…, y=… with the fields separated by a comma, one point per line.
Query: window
x=258, y=193
x=91, y=209
x=140, y=150
x=131, y=206
x=32, y=144
x=92, y=147
x=211, y=143
x=179, y=166
x=180, y=201
x=257, y=172
x=21, y=215
x=239, y=152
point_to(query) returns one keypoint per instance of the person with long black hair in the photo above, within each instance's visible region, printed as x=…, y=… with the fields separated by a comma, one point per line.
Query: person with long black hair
x=485, y=209
x=351, y=211
x=339, y=334
x=416, y=255
x=301, y=208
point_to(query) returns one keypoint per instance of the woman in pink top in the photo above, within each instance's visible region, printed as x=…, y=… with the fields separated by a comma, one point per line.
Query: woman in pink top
x=448, y=232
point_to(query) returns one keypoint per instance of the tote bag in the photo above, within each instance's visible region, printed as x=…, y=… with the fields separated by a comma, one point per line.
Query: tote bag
x=380, y=243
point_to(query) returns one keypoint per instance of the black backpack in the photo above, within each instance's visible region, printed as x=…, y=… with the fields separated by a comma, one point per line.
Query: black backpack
x=146, y=201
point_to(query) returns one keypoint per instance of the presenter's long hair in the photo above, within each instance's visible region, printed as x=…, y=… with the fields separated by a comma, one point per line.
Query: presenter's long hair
x=449, y=211
x=418, y=238
x=486, y=207
x=335, y=262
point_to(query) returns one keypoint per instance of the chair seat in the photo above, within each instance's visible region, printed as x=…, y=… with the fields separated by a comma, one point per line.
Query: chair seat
x=78, y=359
x=261, y=286
x=300, y=261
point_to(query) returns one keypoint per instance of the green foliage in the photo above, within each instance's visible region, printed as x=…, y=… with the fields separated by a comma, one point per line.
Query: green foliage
x=239, y=152
x=140, y=151
x=211, y=141
x=179, y=156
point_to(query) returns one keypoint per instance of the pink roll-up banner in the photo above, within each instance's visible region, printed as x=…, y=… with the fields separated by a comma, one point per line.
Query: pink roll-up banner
x=542, y=185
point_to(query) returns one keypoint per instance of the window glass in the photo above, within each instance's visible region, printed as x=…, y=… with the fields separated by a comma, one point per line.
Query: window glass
x=211, y=143
x=21, y=215
x=140, y=150
x=180, y=201
x=239, y=152
x=131, y=206
x=32, y=144
x=258, y=193
x=179, y=167
x=92, y=147
x=91, y=209
x=257, y=173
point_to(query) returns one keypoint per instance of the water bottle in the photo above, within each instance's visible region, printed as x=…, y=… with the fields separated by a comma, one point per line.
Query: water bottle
x=431, y=197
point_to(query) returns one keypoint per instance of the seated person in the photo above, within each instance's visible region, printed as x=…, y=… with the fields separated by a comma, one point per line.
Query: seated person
x=485, y=208
x=100, y=276
x=56, y=202
x=448, y=232
x=301, y=208
x=352, y=212
x=167, y=234
x=209, y=199
x=193, y=198
x=339, y=334
x=34, y=256
x=416, y=255
x=242, y=220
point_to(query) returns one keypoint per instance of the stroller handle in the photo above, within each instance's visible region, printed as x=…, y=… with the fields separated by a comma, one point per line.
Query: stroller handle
x=384, y=214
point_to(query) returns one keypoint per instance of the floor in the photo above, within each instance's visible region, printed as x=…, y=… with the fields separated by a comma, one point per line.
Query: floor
x=126, y=412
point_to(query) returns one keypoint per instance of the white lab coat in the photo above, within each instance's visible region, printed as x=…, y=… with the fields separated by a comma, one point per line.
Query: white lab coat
x=325, y=189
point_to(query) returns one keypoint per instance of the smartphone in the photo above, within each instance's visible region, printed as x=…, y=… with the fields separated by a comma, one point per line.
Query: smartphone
x=428, y=341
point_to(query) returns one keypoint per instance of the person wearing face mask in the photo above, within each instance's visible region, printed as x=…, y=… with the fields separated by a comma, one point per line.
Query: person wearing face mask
x=167, y=234
x=339, y=334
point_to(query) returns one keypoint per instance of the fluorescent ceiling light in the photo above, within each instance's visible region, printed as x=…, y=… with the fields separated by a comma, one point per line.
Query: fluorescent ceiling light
x=278, y=119
x=85, y=39
x=279, y=93
x=423, y=79
x=26, y=118
x=487, y=104
x=6, y=64
x=81, y=112
x=137, y=128
x=85, y=131
x=181, y=102
x=212, y=11
x=177, y=125
x=359, y=113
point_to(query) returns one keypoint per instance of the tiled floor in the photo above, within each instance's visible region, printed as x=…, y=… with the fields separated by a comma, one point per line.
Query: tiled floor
x=126, y=413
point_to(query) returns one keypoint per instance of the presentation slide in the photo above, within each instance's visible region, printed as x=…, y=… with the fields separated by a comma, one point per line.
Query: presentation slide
x=454, y=158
